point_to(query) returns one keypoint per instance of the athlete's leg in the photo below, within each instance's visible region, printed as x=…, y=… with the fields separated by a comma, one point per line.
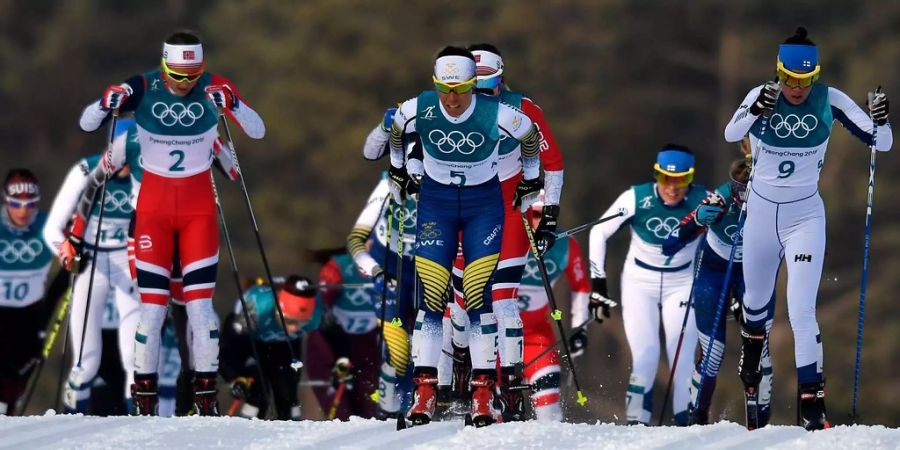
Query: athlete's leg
x=543, y=373
x=505, y=284
x=676, y=289
x=707, y=287
x=77, y=392
x=640, y=315
x=762, y=257
x=804, y=236
x=128, y=306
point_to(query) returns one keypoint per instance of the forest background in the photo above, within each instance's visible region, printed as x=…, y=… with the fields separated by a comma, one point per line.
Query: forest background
x=616, y=79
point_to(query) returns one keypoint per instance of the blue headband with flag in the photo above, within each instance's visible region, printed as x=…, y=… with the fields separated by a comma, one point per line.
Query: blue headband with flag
x=674, y=163
x=798, y=60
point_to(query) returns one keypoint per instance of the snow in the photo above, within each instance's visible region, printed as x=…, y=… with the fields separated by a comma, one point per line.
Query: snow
x=80, y=432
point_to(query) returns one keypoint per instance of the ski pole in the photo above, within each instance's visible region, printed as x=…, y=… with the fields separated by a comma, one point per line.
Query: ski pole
x=865, y=268
x=556, y=314
x=684, y=322
x=65, y=350
x=50, y=340
x=329, y=287
x=102, y=206
x=585, y=226
x=295, y=361
x=251, y=327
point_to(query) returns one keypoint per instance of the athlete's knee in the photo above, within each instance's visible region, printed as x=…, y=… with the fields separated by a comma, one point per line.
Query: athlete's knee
x=199, y=278
x=434, y=284
x=475, y=280
x=802, y=315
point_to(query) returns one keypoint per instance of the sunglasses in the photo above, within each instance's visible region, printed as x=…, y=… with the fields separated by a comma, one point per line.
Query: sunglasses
x=488, y=83
x=18, y=204
x=682, y=181
x=181, y=77
x=459, y=88
x=793, y=82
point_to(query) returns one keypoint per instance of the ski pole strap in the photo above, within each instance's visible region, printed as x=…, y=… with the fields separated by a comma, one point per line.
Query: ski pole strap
x=585, y=226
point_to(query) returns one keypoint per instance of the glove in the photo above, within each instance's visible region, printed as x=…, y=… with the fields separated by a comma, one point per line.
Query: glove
x=578, y=342
x=736, y=310
x=222, y=96
x=546, y=229
x=388, y=120
x=878, y=106
x=527, y=192
x=709, y=210
x=401, y=184
x=115, y=95
x=765, y=103
x=600, y=303
x=240, y=387
x=342, y=372
x=70, y=249
x=382, y=284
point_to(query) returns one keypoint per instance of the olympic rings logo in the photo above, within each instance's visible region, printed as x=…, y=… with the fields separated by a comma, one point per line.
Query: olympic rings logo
x=456, y=141
x=533, y=272
x=20, y=251
x=185, y=116
x=118, y=201
x=662, y=228
x=793, y=125
x=406, y=217
x=731, y=230
x=357, y=296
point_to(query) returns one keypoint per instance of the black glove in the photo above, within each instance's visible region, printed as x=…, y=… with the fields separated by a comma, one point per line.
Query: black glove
x=578, y=342
x=342, y=372
x=240, y=387
x=878, y=106
x=401, y=184
x=768, y=96
x=545, y=234
x=600, y=303
x=527, y=192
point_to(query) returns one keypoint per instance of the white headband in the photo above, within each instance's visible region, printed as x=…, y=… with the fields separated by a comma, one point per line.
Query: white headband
x=454, y=69
x=489, y=64
x=180, y=56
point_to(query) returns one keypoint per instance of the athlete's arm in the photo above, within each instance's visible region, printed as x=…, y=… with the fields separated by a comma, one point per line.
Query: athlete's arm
x=742, y=120
x=551, y=157
x=242, y=113
x=601, y=232
x=94, y=116
x=330, y=275
x=855, y=120
x=579, y=283
x=356, y=241
x=64, y=205
x=376, y=143
x=519, y=126
x=404, y=123
x=113, y=160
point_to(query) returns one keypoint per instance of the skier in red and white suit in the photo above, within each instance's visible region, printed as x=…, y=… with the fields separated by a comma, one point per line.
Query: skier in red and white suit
x=176, y=107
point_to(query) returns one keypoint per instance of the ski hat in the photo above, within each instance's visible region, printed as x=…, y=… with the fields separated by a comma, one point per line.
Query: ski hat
x=798, y=57
x=488, y=65
x=454, y=65
x=184, y=58
x=297, y=298
x=675, y=161
x=21, y=184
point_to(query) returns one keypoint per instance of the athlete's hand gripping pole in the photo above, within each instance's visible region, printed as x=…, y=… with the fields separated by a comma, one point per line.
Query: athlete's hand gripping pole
x=251, y=327
x=864, y=282
x=295, y=361
x=556, y=314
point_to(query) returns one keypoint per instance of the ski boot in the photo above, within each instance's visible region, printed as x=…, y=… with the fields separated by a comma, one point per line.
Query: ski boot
x=461, y=393
x=184, y=393
x=512, y=394
x=444, y=402
x=205, y=402
x=704, y=387
x=753, y=341
x=483, y=411
x=425, y=398
x=811, y=406
x=145, y=393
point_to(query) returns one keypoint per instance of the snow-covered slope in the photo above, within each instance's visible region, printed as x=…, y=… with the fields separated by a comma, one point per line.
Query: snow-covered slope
x=128, y=433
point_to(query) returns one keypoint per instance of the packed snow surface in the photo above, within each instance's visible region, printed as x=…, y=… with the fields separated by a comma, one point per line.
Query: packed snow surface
x=132, y=433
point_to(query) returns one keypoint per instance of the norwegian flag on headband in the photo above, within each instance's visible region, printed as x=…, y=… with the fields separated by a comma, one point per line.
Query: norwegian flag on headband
x=188, y=55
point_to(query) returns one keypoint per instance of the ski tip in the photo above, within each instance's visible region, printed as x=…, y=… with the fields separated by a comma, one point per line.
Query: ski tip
x=296, y=364
x=375, y=396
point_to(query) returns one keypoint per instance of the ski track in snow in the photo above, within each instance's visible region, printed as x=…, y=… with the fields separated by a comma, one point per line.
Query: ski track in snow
x=79, y=432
